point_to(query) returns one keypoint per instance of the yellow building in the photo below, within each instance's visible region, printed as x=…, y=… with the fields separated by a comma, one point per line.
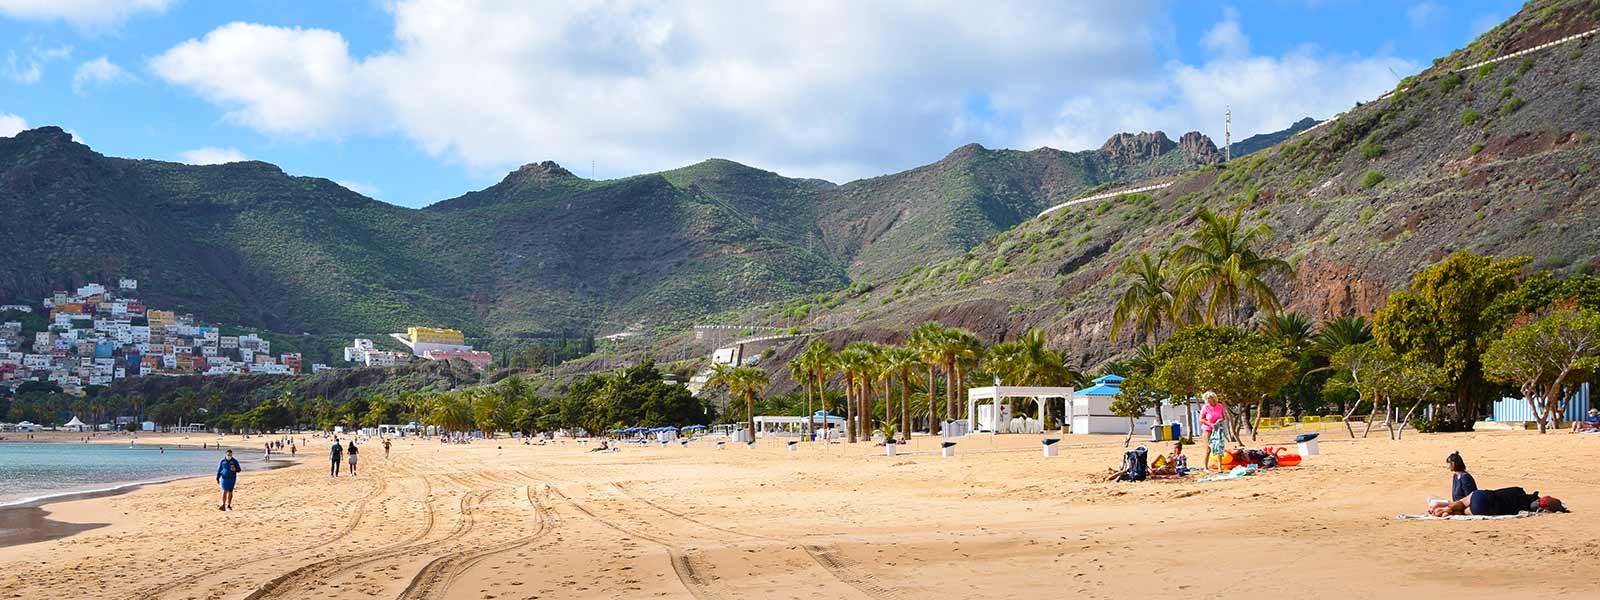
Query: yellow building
x=435, y=335
x=161, y=318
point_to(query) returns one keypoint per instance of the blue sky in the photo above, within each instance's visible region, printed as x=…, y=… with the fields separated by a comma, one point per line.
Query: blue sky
x=414, y=101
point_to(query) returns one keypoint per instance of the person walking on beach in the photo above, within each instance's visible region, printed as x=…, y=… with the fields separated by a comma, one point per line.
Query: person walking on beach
x=227, y=474
x=386, y=448
x=351, y=452
x=338, y=452
x=1211, y=417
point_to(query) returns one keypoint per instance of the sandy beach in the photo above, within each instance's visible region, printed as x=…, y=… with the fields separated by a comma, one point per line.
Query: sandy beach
x=504, y=520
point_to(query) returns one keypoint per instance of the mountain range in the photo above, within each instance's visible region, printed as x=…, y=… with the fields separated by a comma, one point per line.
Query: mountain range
x=1496, y=158
x=542, y=252
x=1501, y=158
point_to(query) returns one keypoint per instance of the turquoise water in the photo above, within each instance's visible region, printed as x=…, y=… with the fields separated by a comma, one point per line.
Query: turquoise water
x=29, y=471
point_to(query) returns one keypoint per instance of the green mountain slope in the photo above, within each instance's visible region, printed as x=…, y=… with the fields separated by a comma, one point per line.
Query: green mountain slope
x=1502, y=159
x=543, y=252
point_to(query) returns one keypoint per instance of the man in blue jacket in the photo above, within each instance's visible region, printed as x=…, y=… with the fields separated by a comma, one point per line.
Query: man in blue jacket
x=227, y=474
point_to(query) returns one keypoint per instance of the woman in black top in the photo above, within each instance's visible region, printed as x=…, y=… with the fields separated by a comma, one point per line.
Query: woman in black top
x=1461, y=482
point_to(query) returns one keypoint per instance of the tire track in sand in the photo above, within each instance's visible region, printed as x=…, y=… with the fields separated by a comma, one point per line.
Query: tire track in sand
x=847, y=571
x=435, y=578
x=690, y=575
x=356, y=517
x=291, y=581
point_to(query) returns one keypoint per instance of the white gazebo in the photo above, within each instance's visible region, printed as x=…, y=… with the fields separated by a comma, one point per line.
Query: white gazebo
x=75, y=424
x=992, y=421
x=786, y=426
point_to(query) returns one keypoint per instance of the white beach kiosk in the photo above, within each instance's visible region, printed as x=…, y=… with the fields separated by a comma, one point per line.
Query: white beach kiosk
x=996, y=418
x=1091, y=409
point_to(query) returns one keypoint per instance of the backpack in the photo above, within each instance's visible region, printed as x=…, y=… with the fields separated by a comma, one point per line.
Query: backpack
x=1135, y=465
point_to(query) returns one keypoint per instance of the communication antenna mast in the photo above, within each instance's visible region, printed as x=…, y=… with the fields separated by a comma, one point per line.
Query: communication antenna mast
x=591, y=169
x=1227, y=134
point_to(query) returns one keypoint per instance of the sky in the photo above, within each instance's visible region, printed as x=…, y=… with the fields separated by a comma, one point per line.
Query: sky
x=415, y=101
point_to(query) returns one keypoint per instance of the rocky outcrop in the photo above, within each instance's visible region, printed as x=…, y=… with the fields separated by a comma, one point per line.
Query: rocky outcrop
x=1135, y=147
x=1199, y=148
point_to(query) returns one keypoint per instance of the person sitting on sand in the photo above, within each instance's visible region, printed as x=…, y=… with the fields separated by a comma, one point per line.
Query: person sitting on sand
x=1504, y=501
x=351, y=453
x=1589, y=423
x=1171, y=464
x=1461, y=482
x=227, y=474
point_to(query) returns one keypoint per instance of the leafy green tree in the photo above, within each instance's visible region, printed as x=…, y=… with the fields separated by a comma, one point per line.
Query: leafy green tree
x=1245, y=372
x=1444, y=319
x=1138, y=394
x=1547, y=359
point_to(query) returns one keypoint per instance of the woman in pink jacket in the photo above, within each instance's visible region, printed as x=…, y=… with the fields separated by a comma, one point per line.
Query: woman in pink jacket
x=1211, y=422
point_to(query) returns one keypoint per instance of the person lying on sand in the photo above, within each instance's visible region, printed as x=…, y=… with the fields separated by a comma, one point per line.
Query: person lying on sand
x=1504, y=501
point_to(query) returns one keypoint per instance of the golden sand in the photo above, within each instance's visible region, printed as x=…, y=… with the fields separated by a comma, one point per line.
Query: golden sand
x=504, y=520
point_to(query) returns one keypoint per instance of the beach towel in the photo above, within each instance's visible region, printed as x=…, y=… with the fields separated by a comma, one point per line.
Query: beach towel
x=1406, y=517
x=1237, y=472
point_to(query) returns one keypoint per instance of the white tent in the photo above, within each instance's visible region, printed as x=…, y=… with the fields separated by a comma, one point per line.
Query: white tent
x=994, y=394
x=75, y=424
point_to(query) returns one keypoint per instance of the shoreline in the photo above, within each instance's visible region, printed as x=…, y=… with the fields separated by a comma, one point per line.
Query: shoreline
x=27, y=520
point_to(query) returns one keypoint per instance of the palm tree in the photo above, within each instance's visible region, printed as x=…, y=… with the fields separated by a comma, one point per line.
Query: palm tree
x=899, y=361
x=1153, y=299
x=852, y=361
x=1338, y=333
x=746, y=383
x=867, y=373
x=959, y=349
x=811, y=367
x=1224, y=259
x=1292, y=329
x=924, y=340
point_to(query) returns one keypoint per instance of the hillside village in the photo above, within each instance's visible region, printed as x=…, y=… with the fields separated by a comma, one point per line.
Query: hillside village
x=96, y=335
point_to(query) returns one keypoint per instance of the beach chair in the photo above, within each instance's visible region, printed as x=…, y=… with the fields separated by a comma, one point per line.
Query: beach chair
x=1287, y=422
x=1311, y=422
x=1266, y=423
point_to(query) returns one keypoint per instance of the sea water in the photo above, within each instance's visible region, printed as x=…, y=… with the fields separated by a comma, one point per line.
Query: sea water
x=33, y=471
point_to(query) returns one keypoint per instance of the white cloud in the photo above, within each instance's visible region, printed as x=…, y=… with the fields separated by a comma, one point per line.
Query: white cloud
x=211, y=155
x=1226, y=37
x=11, y=124
x=363, y=188
x=1424, y=14
x=1265, y=93
x=29, y=69
x=84, y=14
x=834, y=89
x=99, y=71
